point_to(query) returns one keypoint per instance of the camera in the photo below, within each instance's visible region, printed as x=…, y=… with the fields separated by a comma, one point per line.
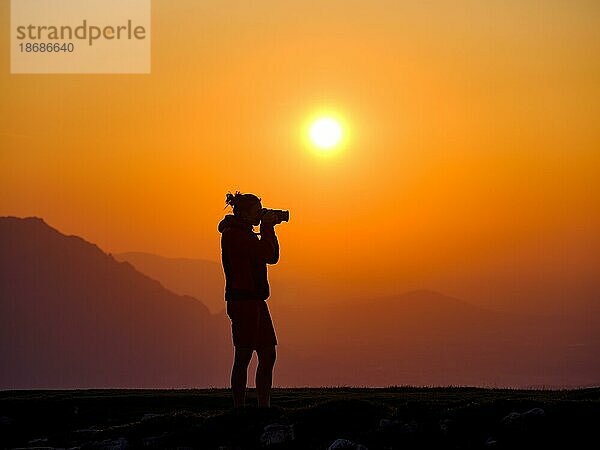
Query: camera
x=282, y=215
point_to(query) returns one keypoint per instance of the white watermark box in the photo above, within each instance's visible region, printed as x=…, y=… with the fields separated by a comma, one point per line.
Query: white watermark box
x=80, y=36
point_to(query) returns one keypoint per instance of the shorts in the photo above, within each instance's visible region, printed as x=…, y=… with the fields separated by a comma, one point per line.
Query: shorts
x=251, y=324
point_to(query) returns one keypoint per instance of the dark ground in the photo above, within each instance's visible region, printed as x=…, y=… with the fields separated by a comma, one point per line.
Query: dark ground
x=468, y=418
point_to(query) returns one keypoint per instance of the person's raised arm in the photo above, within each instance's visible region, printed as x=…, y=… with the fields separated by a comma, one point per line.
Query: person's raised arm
x=268, y=246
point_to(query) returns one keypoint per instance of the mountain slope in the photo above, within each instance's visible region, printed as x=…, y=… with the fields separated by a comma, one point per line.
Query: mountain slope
x=185, y=276
x=71, y=315
x=427, y=338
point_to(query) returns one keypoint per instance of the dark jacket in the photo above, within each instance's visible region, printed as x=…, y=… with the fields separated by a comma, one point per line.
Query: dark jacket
x=245, y=258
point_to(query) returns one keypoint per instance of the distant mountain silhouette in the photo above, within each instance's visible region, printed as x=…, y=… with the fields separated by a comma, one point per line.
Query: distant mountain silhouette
x=199, y=278
x=427, y=338
x=73, y=316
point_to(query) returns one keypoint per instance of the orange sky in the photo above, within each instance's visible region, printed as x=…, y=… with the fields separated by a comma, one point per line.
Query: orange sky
x=473, y=138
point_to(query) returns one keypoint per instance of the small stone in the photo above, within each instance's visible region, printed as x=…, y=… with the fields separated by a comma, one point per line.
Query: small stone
x=511, y=419
x=149, y=416
x=445, y=425
x=110, y=444
x=346, y=444
x=5, y=420
x=535, y=412
x=410, y=427
x=276, y=433
x=37, y=448
x=388, y=423
x=154, y=441
x=491, y=442
x=521, y=421
x=91, y=429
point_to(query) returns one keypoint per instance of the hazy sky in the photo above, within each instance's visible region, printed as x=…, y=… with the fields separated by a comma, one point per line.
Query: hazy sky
x=472, y=145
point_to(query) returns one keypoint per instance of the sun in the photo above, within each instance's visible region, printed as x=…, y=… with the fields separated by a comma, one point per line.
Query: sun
x=325, y=133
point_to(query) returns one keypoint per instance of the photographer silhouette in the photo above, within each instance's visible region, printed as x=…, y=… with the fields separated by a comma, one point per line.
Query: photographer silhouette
x=245, y=258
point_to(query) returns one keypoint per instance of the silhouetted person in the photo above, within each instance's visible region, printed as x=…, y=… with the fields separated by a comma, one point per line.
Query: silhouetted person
x=245, y=258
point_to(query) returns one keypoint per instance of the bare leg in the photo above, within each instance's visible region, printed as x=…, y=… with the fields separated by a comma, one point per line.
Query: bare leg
x=239, y=375
x=264, y=374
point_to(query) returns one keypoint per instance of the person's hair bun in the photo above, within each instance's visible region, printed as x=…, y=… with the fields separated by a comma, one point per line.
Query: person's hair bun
x=231, y=199
x=240, y=201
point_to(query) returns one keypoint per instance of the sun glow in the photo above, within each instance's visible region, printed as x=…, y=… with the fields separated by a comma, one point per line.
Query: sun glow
x=325, y=133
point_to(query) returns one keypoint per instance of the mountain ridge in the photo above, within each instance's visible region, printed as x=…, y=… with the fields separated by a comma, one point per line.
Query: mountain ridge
x=68, y=305
x=74, y=316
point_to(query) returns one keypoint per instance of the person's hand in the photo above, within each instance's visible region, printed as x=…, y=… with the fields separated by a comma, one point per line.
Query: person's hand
x=270, y=218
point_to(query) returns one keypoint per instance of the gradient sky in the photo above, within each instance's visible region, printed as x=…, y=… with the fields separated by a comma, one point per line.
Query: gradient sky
x=473, y=143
